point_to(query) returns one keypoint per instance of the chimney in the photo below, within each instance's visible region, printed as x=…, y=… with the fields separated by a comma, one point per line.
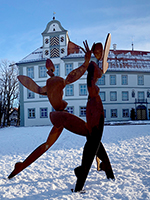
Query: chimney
x=132, y=46
x=114, y=47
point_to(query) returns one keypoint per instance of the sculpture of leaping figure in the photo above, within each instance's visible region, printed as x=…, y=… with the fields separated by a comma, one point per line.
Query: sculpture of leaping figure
x=60, y=118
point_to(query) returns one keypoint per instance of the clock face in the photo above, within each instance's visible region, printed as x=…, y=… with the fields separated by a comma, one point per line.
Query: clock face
x=46, y=41
x=62, y=39
x=62, y=50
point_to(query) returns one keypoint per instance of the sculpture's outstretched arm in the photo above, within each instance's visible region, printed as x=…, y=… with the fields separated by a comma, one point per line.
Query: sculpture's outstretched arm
x=106, y=52
x=31, y=85
x=53, y=136
x=77, y=73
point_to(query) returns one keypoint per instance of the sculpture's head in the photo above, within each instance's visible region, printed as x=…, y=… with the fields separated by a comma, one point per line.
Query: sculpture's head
x=97, y=50
x=50, y=67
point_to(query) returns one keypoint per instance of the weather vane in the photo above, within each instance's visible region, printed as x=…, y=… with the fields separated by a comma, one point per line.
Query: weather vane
x=54, y=13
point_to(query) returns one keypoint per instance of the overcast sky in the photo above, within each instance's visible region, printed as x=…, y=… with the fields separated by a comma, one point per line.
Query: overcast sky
x=22, y=22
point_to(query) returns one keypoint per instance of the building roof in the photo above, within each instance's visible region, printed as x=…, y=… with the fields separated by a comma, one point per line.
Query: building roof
x=120, y=60
x=36, y=55
x=129, y=60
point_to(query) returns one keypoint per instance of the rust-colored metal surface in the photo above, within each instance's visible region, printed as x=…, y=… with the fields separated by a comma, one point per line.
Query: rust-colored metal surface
x=72, y=48
x=54, y=90
x=95, y=123
x=60, y=118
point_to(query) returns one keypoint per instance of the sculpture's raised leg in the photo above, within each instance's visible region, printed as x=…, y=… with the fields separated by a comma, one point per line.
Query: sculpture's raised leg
x=105, y=164
x=89, y=152
x=53, y=136
x=92, y=147
x=70, y=122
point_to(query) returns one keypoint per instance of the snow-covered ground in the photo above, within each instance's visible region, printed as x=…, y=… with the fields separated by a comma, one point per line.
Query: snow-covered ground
x=52, y=175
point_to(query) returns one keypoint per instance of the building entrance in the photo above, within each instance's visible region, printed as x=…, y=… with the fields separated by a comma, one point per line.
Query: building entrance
x=141, y=112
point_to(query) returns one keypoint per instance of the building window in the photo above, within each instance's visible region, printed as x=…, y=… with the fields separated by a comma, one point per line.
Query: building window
x=43, y=112
x=82, y=89
x=68, y=68
x=149, y=113
x=46, y=52
x=46, y=41
x=62, y=50
x=30, y=94
x=82, y=111
x=102, y=95
x=133, y=93
x=125, y=113
x=57, y=70
x=104, y=113
x=101, y=81
x=31, y=113
x=42, y=72
x=70, y=109
x=62, y=39
x=140, y=80
x=113, y=113
x=69, y=90
x=113, y=96
x=30, y=72
x=112, y=79
x=124, y=80
x=125, y=96
x=140, y=96
x=42, y=96
x=148, y=93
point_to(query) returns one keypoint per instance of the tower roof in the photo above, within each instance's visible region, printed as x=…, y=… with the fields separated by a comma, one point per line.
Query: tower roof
x=53, y=27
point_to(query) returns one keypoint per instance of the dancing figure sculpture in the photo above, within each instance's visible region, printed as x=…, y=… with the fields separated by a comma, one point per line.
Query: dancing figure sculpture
x=60, y=118
x=95, y=121
x=54, y=91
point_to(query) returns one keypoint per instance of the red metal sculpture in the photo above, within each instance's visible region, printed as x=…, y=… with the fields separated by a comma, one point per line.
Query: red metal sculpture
x=95, y=121
x=61, y=119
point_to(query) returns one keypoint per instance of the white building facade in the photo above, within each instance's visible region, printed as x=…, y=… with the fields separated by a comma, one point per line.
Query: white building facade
x=125, y=86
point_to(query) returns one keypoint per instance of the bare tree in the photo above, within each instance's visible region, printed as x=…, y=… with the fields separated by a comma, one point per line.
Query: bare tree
x=9, y=89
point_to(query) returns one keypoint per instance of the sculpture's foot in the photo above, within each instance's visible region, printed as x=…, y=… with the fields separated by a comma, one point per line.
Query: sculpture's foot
x=106, y=167
x=18, y=168
x=81, y=174
x=78, y=171
x=98, y=163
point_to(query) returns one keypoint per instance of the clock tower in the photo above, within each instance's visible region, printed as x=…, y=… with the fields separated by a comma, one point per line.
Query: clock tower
x=55, y=40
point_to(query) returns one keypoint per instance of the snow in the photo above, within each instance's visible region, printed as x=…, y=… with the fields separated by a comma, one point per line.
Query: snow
x=36, y=55
x=52, y=175
x=123, y=60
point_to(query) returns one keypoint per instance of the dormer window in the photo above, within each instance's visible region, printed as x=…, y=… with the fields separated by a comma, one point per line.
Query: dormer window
x=53, y=29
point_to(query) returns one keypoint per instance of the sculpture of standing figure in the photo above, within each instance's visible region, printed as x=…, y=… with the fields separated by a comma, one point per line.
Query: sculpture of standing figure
x=95, y=123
